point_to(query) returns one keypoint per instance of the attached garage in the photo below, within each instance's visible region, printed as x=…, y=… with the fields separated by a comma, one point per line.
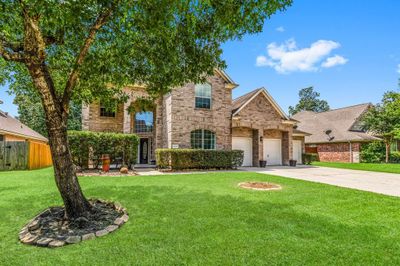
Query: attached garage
x=297, y=151
x=273, y=151
x=246, y=145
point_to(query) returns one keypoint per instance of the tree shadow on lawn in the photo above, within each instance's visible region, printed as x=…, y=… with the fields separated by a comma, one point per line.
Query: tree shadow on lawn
x=170, y=225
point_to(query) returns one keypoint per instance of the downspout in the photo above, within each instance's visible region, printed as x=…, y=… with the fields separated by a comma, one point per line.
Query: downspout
x=351, y=152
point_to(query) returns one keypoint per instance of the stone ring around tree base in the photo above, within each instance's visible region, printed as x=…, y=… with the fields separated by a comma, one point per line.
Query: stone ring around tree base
x=50, y=229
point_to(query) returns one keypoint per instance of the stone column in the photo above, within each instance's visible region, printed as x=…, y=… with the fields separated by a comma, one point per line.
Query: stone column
x=85, y=116
x=258, y=149
x=126, y=127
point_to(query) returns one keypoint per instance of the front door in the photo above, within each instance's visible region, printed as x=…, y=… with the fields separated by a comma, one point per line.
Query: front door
x=144, y=151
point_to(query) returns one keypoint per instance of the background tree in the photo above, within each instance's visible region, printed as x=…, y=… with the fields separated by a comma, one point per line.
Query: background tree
x=384, y=119
x=90, y=49
x=31, y=113
x=308, y=101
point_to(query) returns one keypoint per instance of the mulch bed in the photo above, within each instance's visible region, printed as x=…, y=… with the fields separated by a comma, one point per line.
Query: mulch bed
x=259, y=186
x=51, y=229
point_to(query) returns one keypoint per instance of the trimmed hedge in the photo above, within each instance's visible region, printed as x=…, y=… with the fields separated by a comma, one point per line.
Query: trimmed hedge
x=180, y=159
x=308, y=158
x=88, y=146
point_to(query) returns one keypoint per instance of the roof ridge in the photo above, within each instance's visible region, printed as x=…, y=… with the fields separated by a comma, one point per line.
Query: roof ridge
x=345, y=107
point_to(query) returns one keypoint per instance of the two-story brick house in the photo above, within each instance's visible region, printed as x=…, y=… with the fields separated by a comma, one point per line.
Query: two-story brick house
x=204, y=116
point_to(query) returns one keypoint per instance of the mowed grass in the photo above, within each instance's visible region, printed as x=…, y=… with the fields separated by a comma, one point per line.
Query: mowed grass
x=374, y=167
x=205, y=219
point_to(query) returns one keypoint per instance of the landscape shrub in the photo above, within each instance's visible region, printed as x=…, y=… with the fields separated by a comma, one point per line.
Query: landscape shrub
x=373, y=152
x=180, y=159
x=88, y=146
x=395, y=157
x=308, y=158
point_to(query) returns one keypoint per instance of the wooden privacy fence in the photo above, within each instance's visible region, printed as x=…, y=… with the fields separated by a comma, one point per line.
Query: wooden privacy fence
x=21, y=155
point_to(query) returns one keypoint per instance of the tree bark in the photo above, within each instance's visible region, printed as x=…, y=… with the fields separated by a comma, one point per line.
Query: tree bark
x=75, y=202
x=387, y=147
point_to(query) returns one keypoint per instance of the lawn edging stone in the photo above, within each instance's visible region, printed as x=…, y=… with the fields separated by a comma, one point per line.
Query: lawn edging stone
x=31, y=233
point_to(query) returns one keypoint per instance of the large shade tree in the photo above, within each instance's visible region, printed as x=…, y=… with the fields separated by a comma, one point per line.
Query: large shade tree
x=383, y=119
x=86, y=49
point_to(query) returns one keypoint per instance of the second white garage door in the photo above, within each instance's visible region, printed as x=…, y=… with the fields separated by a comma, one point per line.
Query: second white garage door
x=297, y=151
x=246, y=145
x=273, y=151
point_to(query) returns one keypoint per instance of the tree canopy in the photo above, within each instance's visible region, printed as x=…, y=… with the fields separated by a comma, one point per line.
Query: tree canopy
x=160, y=43
x=384, y=119
x=308, y=101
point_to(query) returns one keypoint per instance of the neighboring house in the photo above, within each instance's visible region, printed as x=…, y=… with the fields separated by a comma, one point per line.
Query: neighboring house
x=20, y=146
x=12, y=129
x=336, y=135
x=203, y=116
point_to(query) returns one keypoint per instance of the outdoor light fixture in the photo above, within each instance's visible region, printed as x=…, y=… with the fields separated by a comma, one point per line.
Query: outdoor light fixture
x=261, y=138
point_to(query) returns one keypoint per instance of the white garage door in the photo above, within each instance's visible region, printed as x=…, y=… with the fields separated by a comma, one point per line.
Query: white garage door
x=297, y=151
x=246, y=145
x=273, y=151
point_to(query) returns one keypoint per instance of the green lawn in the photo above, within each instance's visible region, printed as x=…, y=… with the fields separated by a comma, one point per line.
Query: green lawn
x=375, y=167
x=205, y=219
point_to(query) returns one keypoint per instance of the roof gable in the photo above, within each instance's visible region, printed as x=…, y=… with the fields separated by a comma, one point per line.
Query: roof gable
x=340, y=123
x=241, y=102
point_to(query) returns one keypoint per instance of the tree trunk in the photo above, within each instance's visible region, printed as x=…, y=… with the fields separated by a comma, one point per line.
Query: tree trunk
x=387, y=146
x=75, y=202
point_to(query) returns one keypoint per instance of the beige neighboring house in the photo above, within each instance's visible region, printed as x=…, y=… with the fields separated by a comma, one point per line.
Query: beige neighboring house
x=204, y=116
x=12, y=129
x=336, y=135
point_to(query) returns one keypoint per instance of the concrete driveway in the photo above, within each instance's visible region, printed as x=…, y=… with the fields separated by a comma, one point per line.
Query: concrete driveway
x=383, y=183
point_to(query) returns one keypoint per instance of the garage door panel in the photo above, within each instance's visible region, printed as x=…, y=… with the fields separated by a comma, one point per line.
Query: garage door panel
x=297, y=151
x=246, y=145
x=273, y=151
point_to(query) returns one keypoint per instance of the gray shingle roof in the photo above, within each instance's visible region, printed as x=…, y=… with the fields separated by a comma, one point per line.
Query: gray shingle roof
x=238, y=102
x=12, y=126
x=341, y=122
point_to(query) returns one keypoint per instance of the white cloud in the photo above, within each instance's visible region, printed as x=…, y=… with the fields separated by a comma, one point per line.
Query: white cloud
x=287, y=57
x=280, y=29
x=398, y=68
x=334, y=61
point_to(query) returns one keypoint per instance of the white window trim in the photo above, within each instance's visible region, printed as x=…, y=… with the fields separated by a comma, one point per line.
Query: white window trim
x=211, y=101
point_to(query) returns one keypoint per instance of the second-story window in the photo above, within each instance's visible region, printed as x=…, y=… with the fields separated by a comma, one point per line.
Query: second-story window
x=203, y=96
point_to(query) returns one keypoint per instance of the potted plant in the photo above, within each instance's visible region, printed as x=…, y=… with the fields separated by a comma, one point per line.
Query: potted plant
x=293, y=163
x=263, y=163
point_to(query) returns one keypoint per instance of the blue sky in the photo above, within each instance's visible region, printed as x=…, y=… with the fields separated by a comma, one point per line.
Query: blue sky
x=348, y=50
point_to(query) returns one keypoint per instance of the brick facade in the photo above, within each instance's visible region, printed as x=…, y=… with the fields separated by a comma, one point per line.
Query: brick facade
x=260, y=118
x=338, y=152
x=175, y=117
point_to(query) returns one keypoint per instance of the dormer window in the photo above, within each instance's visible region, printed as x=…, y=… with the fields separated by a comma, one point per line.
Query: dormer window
x=203, y=96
